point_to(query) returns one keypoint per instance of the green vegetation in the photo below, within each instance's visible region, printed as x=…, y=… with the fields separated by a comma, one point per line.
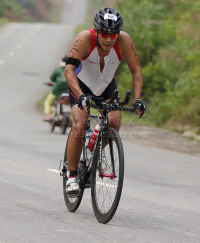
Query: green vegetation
x=29, y=10
x=3, y=21
x=10, y=8
x=166, y=36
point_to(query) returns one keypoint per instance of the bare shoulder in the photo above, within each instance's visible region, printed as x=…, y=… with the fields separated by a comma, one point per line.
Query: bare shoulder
x=126, y=45
x=124, y=34
x=124, y=42
x=85, y=34
x=124, y=38
x=81, y=44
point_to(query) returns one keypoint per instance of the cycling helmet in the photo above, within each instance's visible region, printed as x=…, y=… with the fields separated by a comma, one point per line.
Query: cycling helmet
x=108, y=19
x=63, y=60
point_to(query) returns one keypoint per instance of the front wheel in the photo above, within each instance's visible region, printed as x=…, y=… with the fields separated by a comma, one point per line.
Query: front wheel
x=107, y=181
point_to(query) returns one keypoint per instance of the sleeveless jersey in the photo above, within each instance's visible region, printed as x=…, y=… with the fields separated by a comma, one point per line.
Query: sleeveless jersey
x=90, y=73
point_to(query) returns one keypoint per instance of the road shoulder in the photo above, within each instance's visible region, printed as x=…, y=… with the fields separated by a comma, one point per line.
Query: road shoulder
x=160, y=138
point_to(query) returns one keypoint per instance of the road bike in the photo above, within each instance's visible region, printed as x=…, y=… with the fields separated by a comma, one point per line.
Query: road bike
x=103, y=169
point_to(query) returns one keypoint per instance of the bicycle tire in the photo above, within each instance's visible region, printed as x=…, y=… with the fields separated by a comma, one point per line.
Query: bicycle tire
x=104, y=216
x=72, y=204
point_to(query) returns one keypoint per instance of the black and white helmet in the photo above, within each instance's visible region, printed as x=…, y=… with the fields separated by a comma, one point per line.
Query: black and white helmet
x=108, y=19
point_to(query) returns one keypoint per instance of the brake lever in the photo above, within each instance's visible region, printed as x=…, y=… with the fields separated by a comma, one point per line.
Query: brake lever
x=124, y=101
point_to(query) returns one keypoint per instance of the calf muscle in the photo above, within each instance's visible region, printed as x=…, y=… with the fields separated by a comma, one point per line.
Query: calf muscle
x=79, y=125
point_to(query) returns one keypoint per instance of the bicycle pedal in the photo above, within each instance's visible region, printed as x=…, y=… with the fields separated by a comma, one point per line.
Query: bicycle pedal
x=72, y=195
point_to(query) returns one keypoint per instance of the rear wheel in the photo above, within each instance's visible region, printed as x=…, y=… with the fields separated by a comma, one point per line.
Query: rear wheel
x=72, y=204
x=107, y=182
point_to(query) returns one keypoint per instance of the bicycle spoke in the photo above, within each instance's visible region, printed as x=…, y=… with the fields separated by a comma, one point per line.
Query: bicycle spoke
x=106, y=188
x=107, y=178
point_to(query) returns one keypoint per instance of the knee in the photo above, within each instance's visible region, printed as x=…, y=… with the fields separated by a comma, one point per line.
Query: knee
x=79, y=128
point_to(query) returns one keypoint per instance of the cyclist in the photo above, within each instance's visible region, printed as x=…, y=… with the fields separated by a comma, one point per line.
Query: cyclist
x=99, y=51
x=60, y=86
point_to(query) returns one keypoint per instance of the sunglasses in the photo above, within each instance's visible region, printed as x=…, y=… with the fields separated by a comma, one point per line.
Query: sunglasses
x=105, y=35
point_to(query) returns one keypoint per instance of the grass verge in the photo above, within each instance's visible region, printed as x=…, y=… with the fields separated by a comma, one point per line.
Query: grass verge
x=3, y=21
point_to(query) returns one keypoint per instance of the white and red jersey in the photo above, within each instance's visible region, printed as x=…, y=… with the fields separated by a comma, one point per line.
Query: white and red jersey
x=90, y=73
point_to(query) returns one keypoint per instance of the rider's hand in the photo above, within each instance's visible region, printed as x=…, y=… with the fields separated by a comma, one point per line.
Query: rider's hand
x=50, y=84
x=84, y=102
x=138, y=112
x=140, y=106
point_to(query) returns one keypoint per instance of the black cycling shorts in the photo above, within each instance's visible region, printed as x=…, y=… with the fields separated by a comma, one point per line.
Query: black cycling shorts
x=107, y=94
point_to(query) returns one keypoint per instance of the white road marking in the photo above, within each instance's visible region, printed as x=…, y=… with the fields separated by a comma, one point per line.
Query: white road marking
x=19, y=46
x=54, y=170
x=11, y=54
x=98, y=182
x=1, y=62
x=105, y=184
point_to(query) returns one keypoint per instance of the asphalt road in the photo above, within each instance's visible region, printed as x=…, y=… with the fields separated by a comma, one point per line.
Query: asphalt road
x=161, y=195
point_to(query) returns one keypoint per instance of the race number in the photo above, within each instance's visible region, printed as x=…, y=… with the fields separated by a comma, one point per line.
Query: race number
x=110, y=16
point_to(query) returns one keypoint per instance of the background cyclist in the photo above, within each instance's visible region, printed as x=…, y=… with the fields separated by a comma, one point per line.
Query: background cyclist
x=60, y=86
x=99, y=51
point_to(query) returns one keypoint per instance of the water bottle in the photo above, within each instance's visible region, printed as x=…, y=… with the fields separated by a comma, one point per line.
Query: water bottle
x=87, y=139
x=94, y=137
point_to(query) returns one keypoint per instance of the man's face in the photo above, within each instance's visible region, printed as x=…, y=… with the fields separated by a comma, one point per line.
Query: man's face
x=107, y=39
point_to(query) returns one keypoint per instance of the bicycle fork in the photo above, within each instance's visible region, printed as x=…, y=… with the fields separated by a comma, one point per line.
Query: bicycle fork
x=101, y=173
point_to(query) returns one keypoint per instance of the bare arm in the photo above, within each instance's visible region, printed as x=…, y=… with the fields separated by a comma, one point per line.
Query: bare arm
x=130, y=54
x=78, y=50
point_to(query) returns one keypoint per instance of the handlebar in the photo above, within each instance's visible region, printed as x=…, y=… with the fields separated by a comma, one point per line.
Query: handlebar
x=119, y=105
x=49, y=83
x=114, y=97
x=127, y=98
